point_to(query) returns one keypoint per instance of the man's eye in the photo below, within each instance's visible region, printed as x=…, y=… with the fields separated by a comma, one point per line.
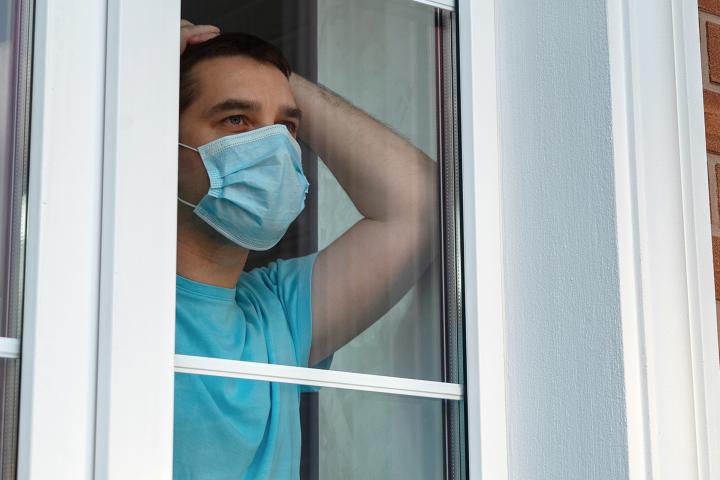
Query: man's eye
x=235, y=120
x=290, y=126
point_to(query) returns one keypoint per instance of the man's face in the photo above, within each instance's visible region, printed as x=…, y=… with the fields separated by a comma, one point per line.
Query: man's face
x=232, y=95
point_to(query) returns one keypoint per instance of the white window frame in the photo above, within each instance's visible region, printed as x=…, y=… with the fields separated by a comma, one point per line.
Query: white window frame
x=57, y=402
x=97, y=347
x=136, y=332
x=97, y=377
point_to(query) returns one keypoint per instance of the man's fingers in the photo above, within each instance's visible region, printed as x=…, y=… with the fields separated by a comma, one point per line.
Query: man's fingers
x=203, y=37
x=192, y=34
x=193, y=30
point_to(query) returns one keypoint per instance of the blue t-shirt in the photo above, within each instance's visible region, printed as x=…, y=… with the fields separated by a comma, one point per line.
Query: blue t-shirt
x=236, y=429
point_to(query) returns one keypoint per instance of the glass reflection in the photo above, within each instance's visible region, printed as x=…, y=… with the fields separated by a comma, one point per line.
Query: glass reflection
x=249, y=429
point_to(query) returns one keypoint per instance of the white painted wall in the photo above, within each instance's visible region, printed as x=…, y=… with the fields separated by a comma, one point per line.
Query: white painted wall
x=565, y=406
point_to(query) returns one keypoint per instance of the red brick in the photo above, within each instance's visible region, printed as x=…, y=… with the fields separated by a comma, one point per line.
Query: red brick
x=712, y=120
x=712, y=6
x=713, y=51
x=716, y=264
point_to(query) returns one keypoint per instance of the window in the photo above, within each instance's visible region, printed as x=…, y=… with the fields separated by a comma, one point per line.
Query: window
x=98, y=313
x=95, y=340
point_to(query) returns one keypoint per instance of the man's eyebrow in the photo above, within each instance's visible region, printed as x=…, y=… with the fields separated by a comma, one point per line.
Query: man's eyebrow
x=233, y=104
x=242, y=104
x=292, y=112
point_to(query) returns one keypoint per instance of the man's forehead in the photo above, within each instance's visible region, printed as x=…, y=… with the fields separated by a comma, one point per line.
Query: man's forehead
x=219, y=79
x=239, y=69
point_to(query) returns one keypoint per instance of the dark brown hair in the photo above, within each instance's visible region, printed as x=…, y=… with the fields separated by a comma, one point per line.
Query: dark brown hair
x=226, y=45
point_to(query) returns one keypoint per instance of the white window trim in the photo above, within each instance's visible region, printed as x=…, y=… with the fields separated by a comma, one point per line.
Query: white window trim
x=672, y=374
x=485, y=353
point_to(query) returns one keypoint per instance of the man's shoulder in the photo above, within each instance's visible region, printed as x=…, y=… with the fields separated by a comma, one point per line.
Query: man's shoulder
x=280, y=273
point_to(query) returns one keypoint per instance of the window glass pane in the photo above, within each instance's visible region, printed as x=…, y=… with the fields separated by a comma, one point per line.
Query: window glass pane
x=377, y=147
x=347, y=434
x=379, y=154
x=382, y=57
x=15, y=57
x=14, y=108
x=9, y=394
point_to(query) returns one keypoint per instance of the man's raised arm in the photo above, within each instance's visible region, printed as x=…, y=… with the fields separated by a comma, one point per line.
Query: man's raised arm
x=393, y=184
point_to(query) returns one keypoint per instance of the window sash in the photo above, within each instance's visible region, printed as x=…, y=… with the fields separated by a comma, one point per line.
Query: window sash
x=98, y=363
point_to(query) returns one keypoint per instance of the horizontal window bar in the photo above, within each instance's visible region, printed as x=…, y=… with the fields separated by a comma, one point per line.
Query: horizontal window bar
x=444, y=4
x=9, y=347
x=317, y=377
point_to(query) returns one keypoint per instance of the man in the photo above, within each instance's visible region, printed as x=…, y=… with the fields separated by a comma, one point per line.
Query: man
x=240, y=186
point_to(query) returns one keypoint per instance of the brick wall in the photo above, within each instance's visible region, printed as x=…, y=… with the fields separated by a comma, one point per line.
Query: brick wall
x=710, y=50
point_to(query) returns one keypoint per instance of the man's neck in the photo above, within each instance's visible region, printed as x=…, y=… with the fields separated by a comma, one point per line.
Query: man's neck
x=205, y=256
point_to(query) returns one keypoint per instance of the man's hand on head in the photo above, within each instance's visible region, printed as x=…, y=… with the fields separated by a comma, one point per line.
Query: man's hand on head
x=191, y=34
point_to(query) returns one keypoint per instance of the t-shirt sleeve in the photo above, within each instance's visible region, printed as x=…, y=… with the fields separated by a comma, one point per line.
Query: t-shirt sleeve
x=294, y=287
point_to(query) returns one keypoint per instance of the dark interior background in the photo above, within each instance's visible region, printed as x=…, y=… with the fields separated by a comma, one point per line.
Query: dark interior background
x=291, y=26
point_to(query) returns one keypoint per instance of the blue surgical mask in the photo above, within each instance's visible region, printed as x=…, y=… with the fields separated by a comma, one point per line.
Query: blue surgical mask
x=257, y=186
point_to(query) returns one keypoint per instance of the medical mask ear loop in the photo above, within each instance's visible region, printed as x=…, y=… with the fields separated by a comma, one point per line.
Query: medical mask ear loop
x=180, y=199
x=186, y=203
x=189, y=147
